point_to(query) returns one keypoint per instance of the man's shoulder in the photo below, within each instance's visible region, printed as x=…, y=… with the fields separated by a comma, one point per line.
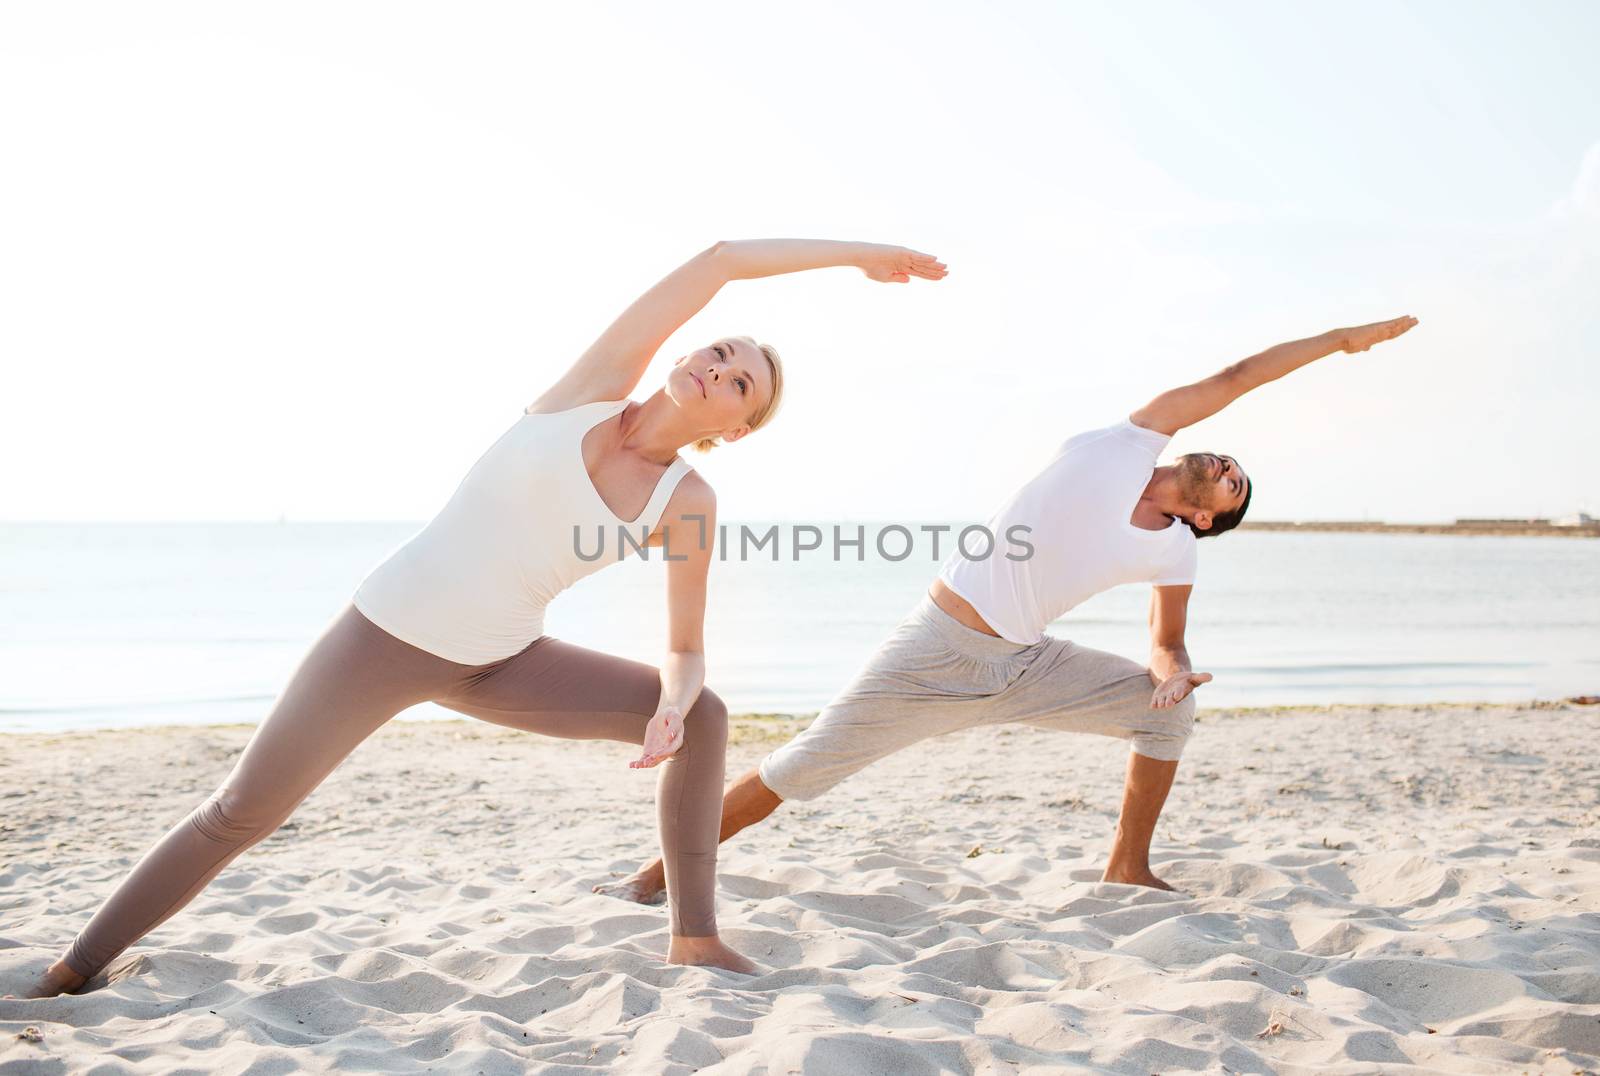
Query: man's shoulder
x=1119, y=435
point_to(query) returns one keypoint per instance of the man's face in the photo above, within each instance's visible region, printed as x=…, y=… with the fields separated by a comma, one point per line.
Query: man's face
x=1210, y=485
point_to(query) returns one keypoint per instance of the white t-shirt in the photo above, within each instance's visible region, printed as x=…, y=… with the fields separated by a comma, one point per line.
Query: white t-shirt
x=1078, y=512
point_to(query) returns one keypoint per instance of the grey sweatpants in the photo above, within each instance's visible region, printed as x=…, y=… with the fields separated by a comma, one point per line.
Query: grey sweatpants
x=935, y=675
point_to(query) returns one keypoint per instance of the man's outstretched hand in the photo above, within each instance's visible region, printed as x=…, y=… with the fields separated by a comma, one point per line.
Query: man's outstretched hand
x=1173, y=689
x=1364, y=336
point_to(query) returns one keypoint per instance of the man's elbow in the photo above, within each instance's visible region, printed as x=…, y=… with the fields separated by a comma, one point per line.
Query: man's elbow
x=1234, y=379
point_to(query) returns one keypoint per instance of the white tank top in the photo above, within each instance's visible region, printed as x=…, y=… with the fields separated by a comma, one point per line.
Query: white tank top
x=472, y=586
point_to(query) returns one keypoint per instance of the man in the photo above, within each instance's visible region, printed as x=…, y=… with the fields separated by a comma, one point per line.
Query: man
x=974, y=652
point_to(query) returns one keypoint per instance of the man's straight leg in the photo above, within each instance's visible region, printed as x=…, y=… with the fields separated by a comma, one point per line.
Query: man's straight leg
x=929, y=677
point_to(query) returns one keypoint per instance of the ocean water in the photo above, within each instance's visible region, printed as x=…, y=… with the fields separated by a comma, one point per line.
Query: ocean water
x=107, y=625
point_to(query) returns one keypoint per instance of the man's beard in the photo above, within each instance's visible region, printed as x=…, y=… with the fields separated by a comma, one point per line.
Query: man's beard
x=1194, y=480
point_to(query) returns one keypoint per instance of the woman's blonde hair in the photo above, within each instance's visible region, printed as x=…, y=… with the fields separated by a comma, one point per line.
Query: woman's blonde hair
x=763, y=416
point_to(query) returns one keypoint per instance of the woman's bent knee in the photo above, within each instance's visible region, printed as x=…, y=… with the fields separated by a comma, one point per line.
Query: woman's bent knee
x=706, y=724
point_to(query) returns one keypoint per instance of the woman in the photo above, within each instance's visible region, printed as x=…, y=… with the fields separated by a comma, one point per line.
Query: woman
x=456, y=615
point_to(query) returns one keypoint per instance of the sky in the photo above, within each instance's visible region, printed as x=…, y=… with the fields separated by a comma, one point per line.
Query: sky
x=308, y=260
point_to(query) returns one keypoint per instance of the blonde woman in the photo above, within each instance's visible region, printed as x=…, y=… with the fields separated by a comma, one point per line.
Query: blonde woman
x=456, y=615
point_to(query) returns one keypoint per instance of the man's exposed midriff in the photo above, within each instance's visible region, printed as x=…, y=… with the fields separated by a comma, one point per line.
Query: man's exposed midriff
x=959, y=607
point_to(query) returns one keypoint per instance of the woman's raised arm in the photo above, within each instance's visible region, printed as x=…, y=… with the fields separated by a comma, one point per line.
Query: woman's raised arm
x=613, y=364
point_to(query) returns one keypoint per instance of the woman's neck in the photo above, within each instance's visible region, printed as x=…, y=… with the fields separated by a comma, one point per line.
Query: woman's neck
x=655, y=429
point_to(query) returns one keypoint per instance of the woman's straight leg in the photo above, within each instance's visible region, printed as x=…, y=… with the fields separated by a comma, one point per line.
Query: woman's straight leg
x=558, y=689
x=355, y=678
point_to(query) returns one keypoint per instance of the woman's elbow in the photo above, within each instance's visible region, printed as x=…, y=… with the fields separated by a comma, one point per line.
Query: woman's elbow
x=723, y=258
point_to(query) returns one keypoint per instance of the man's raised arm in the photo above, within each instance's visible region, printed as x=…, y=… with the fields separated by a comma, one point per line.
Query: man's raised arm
x=1180, y=407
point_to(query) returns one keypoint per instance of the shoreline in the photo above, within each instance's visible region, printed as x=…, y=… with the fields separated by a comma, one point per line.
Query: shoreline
x=750, y=727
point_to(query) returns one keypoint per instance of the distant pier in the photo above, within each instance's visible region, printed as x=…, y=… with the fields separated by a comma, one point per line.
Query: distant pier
x=1584, y=527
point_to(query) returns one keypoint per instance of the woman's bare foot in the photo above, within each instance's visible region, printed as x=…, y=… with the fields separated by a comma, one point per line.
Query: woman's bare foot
x=56, y=979
x=642, y=887
x=1135, y=876
x=709, y=952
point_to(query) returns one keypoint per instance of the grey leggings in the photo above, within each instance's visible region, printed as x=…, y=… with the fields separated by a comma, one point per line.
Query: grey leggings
x=358, y=676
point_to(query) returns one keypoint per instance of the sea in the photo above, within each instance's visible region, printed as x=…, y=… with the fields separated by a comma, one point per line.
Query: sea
x=117, y=625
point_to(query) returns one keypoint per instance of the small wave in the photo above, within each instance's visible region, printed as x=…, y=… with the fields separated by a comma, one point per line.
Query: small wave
x=1369, y=667
x=1379, y=692
x=115, y=705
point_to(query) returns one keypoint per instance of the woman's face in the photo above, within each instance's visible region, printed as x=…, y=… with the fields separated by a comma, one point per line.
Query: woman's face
x=722, y=385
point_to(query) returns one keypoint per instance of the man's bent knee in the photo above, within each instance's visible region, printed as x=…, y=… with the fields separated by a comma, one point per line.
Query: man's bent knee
x=1165, y=735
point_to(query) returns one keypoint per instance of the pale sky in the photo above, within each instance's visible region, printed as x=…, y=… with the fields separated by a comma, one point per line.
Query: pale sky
x=309, y=260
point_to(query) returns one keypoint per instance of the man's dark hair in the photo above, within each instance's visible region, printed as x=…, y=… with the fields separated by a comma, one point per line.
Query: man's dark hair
x=1226, y=521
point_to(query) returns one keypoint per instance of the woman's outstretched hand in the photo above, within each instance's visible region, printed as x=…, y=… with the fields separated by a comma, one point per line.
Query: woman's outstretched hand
x=1364, y=336
x=897, y=265
x=662, y=738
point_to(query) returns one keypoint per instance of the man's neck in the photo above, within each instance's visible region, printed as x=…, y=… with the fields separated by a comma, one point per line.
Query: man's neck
x=1158, y=504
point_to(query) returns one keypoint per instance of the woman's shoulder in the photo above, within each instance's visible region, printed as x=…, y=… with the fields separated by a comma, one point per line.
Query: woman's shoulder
x=693, y=494
x=554, y=403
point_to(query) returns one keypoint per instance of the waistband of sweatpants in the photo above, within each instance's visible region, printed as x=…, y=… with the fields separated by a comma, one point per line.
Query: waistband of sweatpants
x=962, y=639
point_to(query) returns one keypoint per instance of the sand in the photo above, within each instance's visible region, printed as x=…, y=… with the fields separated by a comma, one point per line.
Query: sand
x=1364, y=890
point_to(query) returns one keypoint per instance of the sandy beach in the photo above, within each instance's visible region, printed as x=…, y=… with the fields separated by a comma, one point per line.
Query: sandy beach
x=1364, y=889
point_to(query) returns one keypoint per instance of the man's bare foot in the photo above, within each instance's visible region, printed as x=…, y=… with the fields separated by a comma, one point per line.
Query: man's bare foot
x=56, y=979
x=1135, y=876
x=709, y=952
x=643, y=887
